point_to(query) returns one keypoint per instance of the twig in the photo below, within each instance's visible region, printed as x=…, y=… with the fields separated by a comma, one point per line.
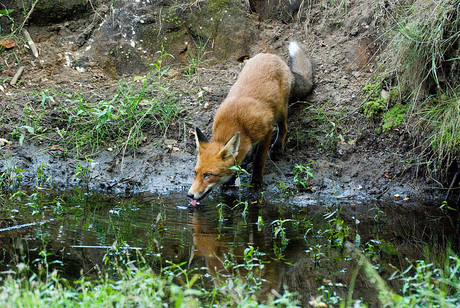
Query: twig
x=451, y=186
x=25, y=225
x=16, y=76
x=28, y=15
x=31, y=43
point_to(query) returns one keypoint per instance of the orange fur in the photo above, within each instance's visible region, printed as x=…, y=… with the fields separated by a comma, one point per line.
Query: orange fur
x=245, y=120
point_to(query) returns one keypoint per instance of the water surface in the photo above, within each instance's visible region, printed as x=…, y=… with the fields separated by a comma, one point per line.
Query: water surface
x=299, y=247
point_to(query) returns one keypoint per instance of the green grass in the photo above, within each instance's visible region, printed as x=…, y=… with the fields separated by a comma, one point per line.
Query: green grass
x=440, y=122
x=326, y=127
x=421, y=62
x=136, y=285
x=87, y=126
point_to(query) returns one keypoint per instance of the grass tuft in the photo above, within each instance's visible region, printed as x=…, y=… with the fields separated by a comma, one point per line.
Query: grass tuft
x=422, y=63
x=121, y=121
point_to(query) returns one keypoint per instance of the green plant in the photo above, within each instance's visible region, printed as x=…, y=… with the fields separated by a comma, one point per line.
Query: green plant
x=303, y=174
x=10, y=176
x=195, y=60
x=84, y=172
x=395, y=116
x=327, y=130
x=220, y=213
x=279, y=232
x=337, y=231
x=245, y=205
x=440, y=118
x=120, y=121
x=423, y=282
x=7, y=13
x=42, y=177
x=239, y=172
x=421, y=59
x=375, y=103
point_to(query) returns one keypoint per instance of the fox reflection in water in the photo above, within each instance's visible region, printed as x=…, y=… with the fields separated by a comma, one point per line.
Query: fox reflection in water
x=223, y=253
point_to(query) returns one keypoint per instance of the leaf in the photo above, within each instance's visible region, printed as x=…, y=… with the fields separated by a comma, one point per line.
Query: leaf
x=7, y=44
x=30, y=129
x=57, y=148
x=21, y=139
x=6, y=12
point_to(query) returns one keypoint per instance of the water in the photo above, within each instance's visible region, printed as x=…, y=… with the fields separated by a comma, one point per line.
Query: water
x=291, y=245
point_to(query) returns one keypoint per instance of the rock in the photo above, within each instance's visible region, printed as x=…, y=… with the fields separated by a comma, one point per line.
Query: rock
x=128, y=39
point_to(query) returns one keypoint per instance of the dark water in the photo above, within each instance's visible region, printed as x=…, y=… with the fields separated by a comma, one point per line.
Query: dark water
x=301, y=247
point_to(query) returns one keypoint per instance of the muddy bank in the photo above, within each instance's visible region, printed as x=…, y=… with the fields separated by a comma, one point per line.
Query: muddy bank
x=351, y=160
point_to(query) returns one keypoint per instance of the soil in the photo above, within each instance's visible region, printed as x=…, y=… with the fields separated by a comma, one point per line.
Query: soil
x=350, y=159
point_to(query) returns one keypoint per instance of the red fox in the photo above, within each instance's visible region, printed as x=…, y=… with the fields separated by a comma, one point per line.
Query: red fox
x=244, y=120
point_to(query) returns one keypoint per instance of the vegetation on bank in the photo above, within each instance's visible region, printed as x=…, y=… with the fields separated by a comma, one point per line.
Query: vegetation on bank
x=428, y=286
x=74, y=122
x=418, y=83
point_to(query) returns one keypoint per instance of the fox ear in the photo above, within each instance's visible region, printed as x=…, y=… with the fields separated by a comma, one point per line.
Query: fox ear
x=231, y=147
x=199, y=137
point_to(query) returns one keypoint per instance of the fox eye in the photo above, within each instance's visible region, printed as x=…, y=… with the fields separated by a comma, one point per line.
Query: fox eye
x=207, y=176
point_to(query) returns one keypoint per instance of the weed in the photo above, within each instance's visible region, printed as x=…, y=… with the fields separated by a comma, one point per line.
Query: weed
x=438, y=286
x=84, y=172
x=303, y=174
x=10, y=176
x=375, y=104
x=422, y=58
x=337, y=231
x=121, y=120
x=245, y=205
x=136, y=284
x=395, y=116
x=239, y=172
x=7, y=13
x=440, y=118
x=260, y=223
x=220, y=213
x=328, y=130
x=285, y=189
x=279, y=230
x=195, y=60
x=42, y=177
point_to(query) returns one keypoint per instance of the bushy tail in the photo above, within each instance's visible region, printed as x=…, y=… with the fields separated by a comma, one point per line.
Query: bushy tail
x=302, y=69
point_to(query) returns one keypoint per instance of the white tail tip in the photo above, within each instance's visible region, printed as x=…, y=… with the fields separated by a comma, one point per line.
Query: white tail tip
x=294, y=48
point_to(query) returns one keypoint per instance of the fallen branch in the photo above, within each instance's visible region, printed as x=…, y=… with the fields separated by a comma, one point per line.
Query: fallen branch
x=16, y=76
x=31, y=43
x=25, y=225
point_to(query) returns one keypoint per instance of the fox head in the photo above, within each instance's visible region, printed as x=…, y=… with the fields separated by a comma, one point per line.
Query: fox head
x=213, y=165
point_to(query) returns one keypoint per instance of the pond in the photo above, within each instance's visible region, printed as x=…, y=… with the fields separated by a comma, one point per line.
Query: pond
x=279, y=243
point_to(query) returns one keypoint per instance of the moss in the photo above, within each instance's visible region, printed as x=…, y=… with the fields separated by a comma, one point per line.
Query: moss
x=395, y=116
x=388, y=248
x=375, y=104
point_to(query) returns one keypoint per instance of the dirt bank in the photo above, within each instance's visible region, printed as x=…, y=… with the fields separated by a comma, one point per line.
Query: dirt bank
x=351, y=160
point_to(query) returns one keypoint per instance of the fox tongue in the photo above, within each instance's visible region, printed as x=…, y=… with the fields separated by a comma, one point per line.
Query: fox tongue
x=194, y=202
